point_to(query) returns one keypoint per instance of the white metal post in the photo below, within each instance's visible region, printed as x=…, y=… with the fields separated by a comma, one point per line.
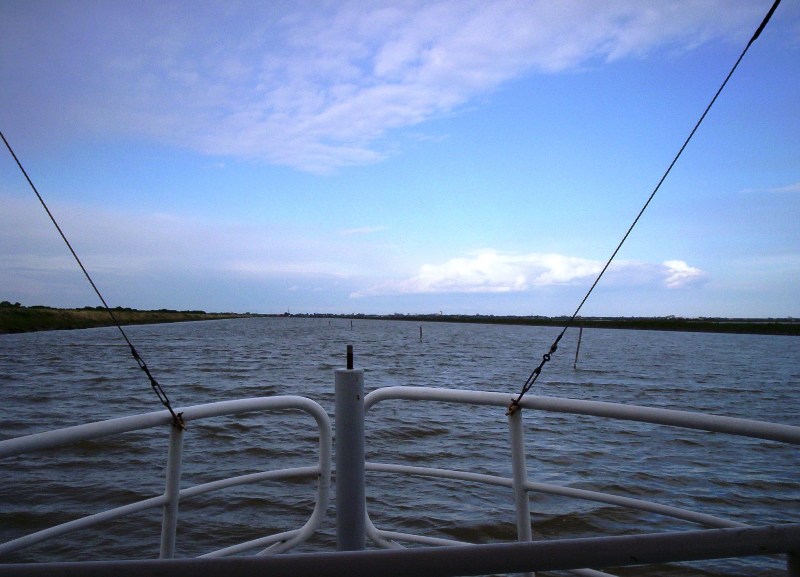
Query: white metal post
x=520, y=476
x=350, y=477
x=169, y=523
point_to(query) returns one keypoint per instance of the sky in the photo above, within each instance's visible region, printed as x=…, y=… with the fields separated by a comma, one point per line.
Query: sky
x=463, y=157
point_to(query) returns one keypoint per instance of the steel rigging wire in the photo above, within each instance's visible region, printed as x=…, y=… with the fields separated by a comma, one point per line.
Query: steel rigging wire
x=177, y=418
x=514, y=405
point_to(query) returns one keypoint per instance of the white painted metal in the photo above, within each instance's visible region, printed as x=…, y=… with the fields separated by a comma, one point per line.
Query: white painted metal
x=494, y=558
x=60, y=437
x=272, y=542
x=277, y=475
x=638, y=504
x=376, y=536
x=82, y=523
x=520, y=477
x=518, y=483
x=684, y=419
x=350, y=479
x=87, y=431
x=169, y=524
x=590, y=573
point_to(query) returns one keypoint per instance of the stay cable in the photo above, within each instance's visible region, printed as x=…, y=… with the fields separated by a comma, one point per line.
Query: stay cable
x=514, y=405
x=177, y=418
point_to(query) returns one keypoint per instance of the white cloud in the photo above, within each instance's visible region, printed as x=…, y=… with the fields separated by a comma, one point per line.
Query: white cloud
x=362, y=230
x=490, y=271
x=313, y=85
x=788, y=189
x=678, y=274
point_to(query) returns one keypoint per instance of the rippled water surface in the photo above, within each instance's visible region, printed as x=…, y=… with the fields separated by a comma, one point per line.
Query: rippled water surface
x=63, y=378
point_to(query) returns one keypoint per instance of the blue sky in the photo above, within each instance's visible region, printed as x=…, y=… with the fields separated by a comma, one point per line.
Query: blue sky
x=463, y=157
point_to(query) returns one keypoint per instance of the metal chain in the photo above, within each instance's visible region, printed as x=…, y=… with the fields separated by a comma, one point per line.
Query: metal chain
x=535, y=374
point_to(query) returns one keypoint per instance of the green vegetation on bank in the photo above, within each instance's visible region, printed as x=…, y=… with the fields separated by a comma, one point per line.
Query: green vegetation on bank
x=16, y=318
x=782, y=326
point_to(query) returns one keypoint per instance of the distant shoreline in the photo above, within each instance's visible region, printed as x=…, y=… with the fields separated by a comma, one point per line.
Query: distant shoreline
x=782, y=326
x=16, y=318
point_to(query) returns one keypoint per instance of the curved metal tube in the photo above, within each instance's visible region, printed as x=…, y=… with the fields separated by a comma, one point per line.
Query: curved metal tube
x=685, y=419
x=61, y=437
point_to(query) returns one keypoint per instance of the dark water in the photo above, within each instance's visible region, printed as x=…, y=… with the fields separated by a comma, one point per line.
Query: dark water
x=57, y=379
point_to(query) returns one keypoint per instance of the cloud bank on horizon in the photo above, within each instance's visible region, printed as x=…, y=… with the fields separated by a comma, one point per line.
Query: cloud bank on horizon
x=161, y=243
x=491, y=272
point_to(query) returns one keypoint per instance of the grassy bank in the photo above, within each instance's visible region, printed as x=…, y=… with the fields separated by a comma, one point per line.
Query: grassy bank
x=788, y=326
x=15, y=318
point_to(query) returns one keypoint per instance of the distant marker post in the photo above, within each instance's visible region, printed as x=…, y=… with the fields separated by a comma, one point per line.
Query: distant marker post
x=578, y=348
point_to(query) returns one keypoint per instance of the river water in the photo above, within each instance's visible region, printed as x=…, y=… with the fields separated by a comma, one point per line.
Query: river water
x=57, y=379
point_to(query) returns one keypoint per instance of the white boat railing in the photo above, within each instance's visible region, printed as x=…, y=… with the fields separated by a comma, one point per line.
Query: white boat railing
x=519, y=482
x=173, y=494
x=725, y=538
